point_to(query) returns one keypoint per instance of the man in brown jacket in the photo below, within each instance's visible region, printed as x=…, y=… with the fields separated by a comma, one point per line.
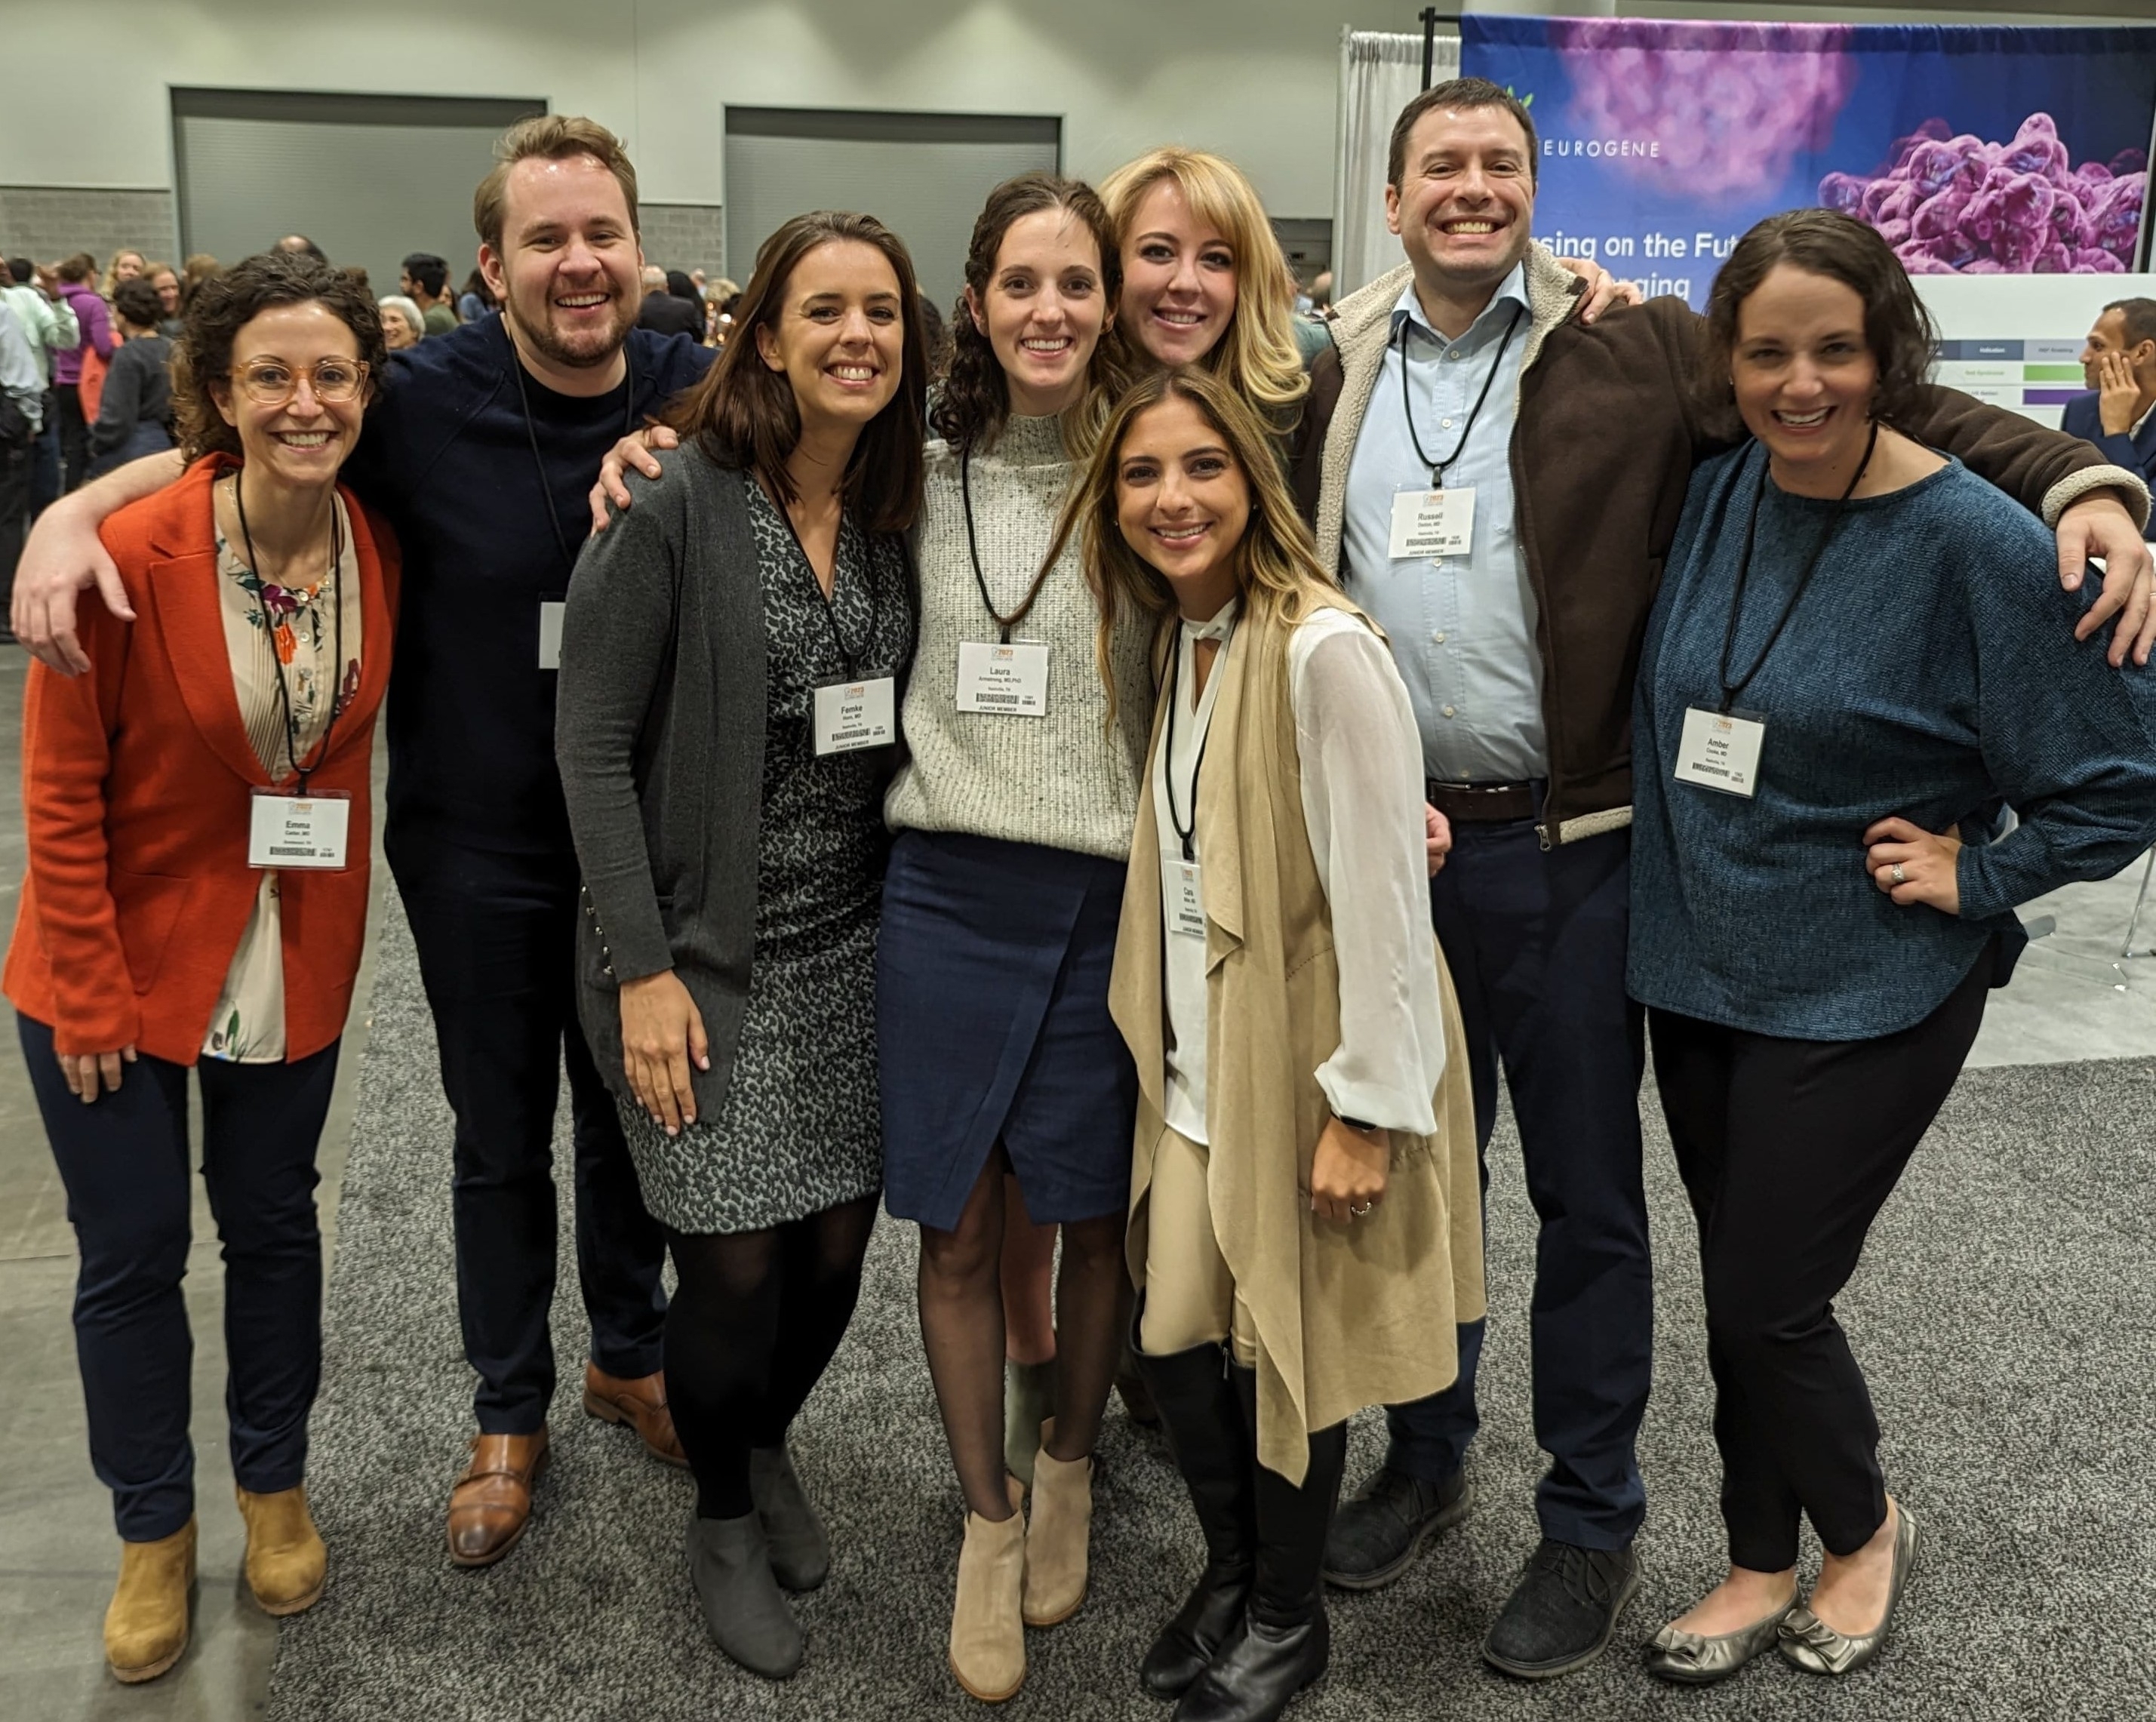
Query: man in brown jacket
x=1497, y=484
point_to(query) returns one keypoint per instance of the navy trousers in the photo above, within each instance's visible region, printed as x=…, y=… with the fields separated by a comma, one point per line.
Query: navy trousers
x=1536, y=943
x=497, y=940
x=123, y=1160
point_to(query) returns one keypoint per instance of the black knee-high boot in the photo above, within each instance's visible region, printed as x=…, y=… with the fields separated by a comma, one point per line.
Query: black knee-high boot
x=1197, y=1406
x=1284, y=1641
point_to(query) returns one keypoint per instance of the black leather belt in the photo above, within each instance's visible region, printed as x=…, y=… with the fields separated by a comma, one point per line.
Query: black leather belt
x=1481, y=803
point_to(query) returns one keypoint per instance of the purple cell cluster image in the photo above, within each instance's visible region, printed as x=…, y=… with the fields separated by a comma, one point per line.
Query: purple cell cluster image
x=1952, y=204
x=1728, y=119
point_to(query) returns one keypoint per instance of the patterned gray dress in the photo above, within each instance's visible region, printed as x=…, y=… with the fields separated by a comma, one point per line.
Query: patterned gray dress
x=801, y=1130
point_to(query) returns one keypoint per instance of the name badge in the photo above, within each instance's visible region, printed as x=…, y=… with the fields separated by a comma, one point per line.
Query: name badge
x=1011, y=679
x=290, y=831
x=1430, y=524
x=1186, y=904
x=852, y=715
x=550, y=612
x=1720, y=750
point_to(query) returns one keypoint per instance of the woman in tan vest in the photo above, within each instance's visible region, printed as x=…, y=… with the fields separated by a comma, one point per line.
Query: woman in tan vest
x=1303, y=1191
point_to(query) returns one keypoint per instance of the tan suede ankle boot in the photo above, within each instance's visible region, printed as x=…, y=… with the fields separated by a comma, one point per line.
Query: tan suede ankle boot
x=1057, y=1543
x=988, y=1637
x=146, y=1628
x=285, y=1559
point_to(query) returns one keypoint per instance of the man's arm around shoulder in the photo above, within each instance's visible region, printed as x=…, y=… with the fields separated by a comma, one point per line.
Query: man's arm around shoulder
x=64, y=555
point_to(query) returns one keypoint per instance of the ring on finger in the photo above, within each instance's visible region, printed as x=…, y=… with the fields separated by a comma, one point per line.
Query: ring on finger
x=1357, y=1210
x=1898, y=873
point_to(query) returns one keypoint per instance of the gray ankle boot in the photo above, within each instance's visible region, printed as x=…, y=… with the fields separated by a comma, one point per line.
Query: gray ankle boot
x=800, y=1552
x=730, y=1565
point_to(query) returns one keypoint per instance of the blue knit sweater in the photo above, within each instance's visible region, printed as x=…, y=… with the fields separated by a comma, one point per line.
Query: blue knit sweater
x=1930, y=671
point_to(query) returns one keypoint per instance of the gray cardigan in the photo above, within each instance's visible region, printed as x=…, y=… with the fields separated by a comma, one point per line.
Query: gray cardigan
x=659, y=731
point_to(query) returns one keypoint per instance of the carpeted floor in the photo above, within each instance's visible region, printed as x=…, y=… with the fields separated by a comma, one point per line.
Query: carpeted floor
x=2006, y=1312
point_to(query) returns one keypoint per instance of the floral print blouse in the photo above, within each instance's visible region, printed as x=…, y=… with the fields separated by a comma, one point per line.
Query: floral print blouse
x=271, y=631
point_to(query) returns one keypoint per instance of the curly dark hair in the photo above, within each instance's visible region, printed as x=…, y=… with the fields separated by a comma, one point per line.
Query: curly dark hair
x=975, y=398
x=137, y=301
x=1897, y=328
x=224, y=305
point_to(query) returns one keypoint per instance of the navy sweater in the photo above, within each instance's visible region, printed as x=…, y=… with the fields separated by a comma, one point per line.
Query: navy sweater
x=448, y=458
x=1930, y=671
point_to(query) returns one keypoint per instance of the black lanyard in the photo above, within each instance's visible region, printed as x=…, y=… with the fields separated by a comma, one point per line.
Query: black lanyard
x=1731, y=690
x=973, y=550
x=849, y=656
x=531, y=432
x=1437, y=467
x=1198, y=766
x=332, y=585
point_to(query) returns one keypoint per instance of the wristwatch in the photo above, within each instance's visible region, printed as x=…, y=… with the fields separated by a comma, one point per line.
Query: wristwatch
x=1362, y=1125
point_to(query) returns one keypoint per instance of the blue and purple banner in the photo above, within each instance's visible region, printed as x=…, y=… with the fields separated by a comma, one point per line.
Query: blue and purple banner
x=1975, y=149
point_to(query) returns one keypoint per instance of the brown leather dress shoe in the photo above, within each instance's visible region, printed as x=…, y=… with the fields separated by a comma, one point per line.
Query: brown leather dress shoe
x=641, y=1404
x=492, y=1503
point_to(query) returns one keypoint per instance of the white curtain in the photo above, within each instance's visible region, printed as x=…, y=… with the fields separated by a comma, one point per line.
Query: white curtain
x=1380, y=73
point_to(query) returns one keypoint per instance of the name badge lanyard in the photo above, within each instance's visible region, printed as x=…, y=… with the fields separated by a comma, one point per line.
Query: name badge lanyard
x=1188, y=835
x=321, y=751
x=849, y=656
x=1731, y=691
x=539, y=466
x=974, y=553
x=1437, y=467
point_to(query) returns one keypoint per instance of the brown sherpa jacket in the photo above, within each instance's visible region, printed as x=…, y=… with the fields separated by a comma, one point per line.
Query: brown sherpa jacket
x=1606, y=433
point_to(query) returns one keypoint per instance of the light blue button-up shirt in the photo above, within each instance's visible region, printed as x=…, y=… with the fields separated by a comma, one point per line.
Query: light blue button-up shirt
x=1462, y=627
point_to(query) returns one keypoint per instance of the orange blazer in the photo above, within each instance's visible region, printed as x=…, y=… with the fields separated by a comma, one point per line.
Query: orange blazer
x=136, y=791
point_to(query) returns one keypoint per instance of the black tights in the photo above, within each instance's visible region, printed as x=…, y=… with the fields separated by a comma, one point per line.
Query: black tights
x=755, y=1319
x=962, y=1327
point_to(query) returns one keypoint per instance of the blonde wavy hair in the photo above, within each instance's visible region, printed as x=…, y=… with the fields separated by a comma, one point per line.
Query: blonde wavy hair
x=1277, y=572
x=1256, y=357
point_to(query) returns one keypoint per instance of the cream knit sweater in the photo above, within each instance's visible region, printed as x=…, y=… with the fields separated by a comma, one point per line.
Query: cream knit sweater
x=1066, y=780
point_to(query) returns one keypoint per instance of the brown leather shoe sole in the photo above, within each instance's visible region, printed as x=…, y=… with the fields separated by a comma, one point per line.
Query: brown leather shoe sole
x=516, y=1536
x=608, y=1411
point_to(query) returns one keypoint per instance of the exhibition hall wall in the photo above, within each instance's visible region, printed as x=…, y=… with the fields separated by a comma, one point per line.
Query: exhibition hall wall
x=87, y=141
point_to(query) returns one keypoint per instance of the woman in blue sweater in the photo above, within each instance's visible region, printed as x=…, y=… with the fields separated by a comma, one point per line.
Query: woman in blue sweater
x=1858, y=653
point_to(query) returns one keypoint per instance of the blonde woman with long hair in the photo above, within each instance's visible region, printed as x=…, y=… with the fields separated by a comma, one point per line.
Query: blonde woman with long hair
x=1304, y=1222
x=1204, y=281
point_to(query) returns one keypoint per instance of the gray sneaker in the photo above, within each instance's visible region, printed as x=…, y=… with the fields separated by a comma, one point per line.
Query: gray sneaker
x=1383, y=1525
x=1563, y=1612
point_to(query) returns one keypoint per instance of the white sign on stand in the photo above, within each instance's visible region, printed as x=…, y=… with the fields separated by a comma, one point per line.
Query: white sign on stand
x=2015, y=341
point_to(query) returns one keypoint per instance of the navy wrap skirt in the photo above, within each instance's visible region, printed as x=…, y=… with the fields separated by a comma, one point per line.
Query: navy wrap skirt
x=993, y=1024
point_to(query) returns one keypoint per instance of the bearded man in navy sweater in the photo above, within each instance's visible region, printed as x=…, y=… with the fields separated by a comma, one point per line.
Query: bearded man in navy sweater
x=481, y=451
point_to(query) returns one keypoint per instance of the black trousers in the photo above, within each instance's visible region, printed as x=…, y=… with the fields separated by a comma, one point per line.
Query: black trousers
x=75, y=436
x=17, y=470
x=1535, y=941
x=124, y=1160
x=496, y=938
x=1788, y=1149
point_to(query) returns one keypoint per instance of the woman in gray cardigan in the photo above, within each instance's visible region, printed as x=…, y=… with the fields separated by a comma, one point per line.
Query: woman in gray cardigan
x=731, y=664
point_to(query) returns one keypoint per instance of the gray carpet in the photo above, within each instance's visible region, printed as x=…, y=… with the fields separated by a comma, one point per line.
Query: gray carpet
x=2006, y=1312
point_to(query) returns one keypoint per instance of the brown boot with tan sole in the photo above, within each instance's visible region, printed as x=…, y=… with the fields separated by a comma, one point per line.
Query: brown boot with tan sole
x=285, y=1559
x=1056, y=1542
x=987, y=1634
x=146, y=1628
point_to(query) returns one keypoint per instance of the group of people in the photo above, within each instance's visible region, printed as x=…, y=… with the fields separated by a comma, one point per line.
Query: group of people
x=83, y=383
x=842, y=812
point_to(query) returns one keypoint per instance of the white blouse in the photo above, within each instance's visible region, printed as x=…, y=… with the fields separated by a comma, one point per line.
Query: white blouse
x=1360, y=756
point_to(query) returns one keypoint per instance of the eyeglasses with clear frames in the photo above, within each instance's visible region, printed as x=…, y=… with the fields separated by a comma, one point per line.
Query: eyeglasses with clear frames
x=271, y=383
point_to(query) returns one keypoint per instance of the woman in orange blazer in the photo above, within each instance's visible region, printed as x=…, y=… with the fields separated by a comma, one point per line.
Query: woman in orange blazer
x=198, y=822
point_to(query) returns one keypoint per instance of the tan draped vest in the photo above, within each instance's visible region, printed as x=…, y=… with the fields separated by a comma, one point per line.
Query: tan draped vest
x=1346, y=1315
